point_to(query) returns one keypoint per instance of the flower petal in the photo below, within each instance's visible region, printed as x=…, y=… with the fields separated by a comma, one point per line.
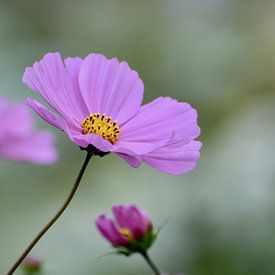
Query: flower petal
x=136, y=223
x=130, y=217
x=11, y=115
x=107, y=228
x=52, y=118
x=36, y=148
x=73, y=66
x=18, y=139
x=131, y=160
x=175, y=158
x=120, y=213
x=146, y=221
x=156, y=124
x=85, y=140
x=136, y=148
x=110, y=87
x=52, y=81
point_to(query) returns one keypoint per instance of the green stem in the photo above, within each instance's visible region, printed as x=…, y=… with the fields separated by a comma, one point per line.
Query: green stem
x=55, y=217
x=150, y=262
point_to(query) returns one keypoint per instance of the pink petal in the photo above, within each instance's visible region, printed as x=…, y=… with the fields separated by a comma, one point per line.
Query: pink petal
x=136, y=223
x=85, y=140
x=36, y=148
x=16, y=121
x=147, y=223
x=120, y=213
x=175, y=158
x=107, y=228
x=156, y=124
x=73, y=66
x=131, y=160
x=136, y=148
x=53, y=82
x=18, y=139
x=52, y=118
x=131, y=217
x=110, y=87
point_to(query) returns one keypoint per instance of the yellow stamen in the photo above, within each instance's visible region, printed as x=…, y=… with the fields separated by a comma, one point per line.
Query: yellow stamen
x=102, y=125
x=125, y=232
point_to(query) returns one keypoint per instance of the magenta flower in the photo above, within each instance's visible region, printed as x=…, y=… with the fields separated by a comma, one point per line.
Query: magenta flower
x=130, y=227
x=130, y=232
x=19, y=141
x=97, y=102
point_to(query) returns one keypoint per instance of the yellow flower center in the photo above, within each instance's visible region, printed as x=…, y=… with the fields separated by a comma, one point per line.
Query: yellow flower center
x=125, y=232
x=102, y=125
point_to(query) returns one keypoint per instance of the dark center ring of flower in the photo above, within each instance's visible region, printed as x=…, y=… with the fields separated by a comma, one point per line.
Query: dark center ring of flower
x=102, y=125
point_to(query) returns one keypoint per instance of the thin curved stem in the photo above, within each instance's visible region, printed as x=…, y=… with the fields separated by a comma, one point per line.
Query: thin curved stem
x=55, y=217
x=150, y=262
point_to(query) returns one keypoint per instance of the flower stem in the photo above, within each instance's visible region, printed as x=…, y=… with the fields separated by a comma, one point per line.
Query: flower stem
x=55, y=217
x=150, y=262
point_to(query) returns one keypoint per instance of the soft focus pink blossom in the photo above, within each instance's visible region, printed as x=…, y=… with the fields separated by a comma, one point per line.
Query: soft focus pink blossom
x=97, y=101
x=19, y=141
x=129, y=224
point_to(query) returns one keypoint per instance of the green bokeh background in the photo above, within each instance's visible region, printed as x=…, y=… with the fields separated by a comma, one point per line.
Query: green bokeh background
x=218, y=55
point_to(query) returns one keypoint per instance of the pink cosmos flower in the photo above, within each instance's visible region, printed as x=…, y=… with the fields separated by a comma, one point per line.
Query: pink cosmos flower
x=131, y=225
x=97, y=101
x=19, y=141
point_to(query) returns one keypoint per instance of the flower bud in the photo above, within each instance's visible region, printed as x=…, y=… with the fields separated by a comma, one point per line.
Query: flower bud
x=131, y=230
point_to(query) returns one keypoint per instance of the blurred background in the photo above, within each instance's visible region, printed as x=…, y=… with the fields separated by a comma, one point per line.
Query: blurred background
x=218, y=55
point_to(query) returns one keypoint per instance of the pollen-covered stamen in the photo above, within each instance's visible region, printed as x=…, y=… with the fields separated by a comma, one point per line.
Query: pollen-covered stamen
x=125, y=232
x=102, y=125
